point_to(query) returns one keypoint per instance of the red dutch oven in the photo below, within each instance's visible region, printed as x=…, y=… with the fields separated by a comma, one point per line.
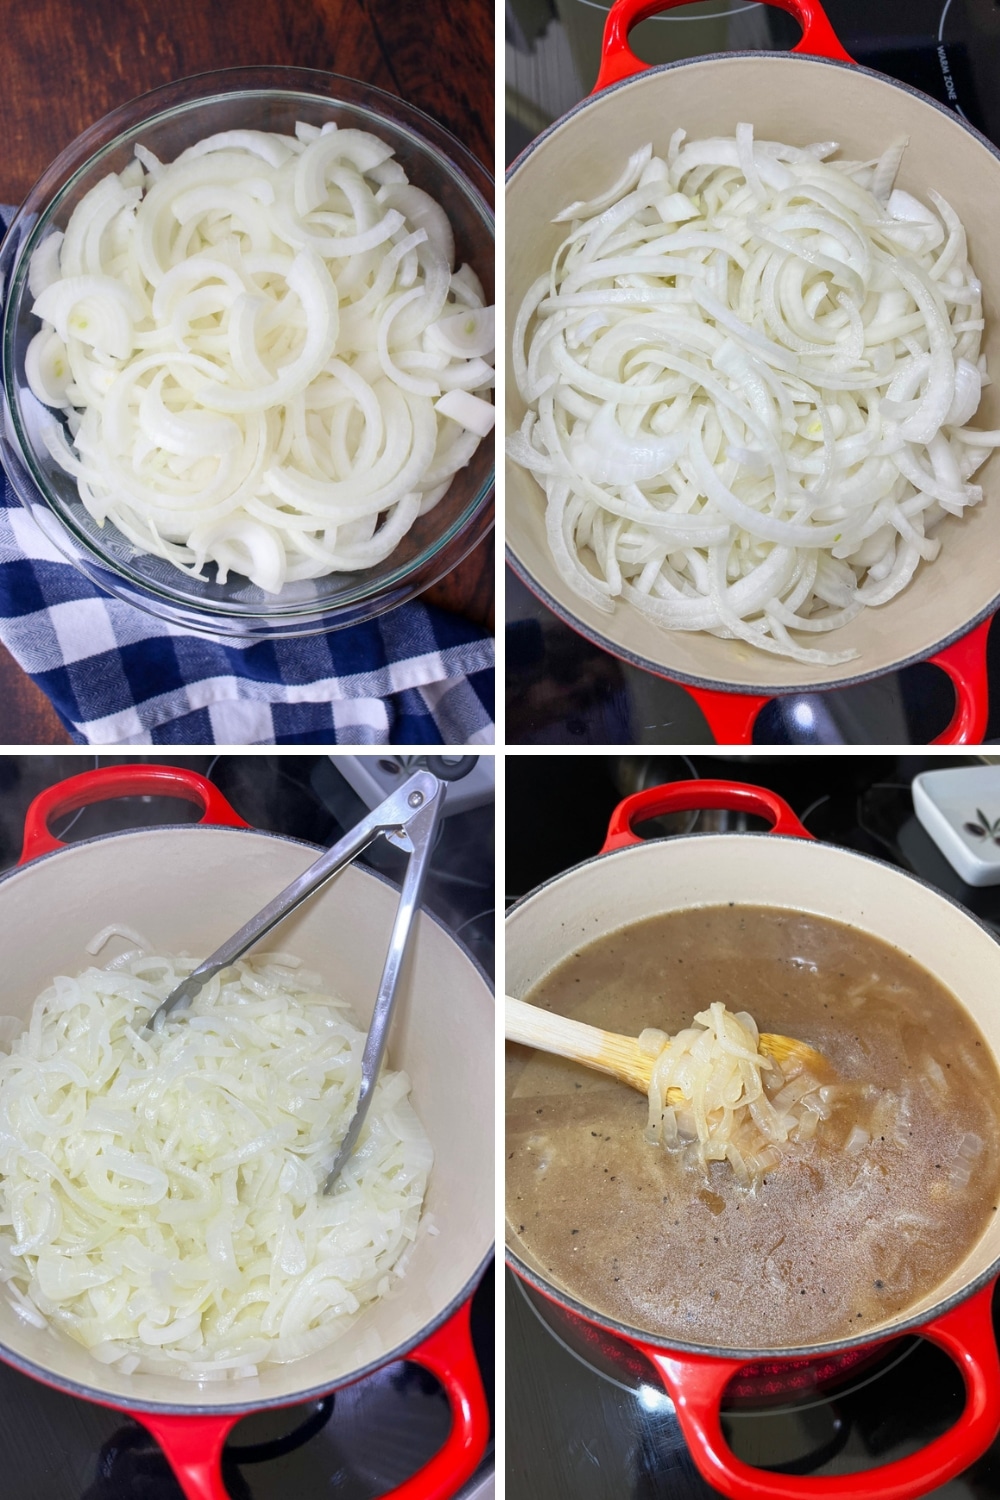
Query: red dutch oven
x=187, y=887
x=634, y=879
x=816, y=92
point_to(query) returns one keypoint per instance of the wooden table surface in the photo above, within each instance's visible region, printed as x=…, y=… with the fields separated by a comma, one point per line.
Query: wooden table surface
x=65, y=63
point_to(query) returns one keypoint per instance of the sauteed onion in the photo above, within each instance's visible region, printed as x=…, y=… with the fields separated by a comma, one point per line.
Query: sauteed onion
x=739, y=1106
x=160, y=1198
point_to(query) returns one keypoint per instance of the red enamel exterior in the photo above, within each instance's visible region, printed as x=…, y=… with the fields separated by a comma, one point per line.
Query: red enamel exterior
x=119, y=781
x=689, y=796
x=731, y=716
x=965, y=663
x=619, y=61
x=696, y=1383
x=193, y=1444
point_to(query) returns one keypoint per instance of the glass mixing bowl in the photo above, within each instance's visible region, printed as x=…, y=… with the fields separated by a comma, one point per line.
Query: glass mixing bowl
x=167, y=121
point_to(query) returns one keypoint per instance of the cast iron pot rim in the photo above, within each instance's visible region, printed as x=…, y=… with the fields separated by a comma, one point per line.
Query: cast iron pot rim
x=590, y=632
x=642, y=1337
x=391, y=1356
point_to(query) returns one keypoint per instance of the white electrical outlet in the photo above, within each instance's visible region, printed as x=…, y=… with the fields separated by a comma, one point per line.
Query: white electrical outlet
x=960, y=809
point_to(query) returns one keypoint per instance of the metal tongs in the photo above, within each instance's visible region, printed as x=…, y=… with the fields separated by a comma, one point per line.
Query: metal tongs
x=407, y=818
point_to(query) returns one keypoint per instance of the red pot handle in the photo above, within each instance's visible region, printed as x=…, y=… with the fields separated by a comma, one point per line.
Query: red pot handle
x=193, y=1448
x=120, y=781
x=193, y=1445
x=689, y=796
x=731, y=716
x=618, y=61
x=449, y=1354
x=696, y=1384
x=965, y=663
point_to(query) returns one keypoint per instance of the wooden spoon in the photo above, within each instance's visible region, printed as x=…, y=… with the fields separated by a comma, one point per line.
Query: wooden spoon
x=620, y=1055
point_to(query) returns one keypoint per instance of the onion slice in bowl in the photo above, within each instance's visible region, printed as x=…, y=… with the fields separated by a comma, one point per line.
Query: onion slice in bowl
x=264, y=291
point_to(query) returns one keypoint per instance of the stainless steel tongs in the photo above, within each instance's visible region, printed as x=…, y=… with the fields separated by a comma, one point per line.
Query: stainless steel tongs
x=407, y=818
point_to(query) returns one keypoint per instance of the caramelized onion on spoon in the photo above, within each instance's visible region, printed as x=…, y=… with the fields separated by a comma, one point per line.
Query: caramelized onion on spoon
x=719, y=1090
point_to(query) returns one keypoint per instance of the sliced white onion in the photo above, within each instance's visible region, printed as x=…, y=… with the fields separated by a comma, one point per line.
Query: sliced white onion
x=968, y=394
x=274, y=149
x=735, y=1104
x=362, y=150
x=605, y=455
x=470, y=412
x=465, y=335
x=46, y=365
x=257, y=308
x=43, y=269
x=168, y=1198
x=423, y=212
x=97, y=310
x=787, y=358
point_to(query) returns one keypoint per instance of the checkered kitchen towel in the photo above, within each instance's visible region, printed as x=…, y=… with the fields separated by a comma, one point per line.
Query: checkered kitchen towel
x=117, y=676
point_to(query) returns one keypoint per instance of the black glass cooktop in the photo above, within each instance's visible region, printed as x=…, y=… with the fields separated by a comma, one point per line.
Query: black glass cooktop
x=560, y=688
x=369, y=1437
x=577, y=1430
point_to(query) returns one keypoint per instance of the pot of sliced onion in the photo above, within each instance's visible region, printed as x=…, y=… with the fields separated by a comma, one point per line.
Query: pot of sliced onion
x=632, y=880
x=135, y=1206
x=753, y=305
x=247, y=344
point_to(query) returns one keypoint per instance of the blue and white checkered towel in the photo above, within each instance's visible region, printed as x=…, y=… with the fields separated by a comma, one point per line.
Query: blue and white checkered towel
x=117, y=676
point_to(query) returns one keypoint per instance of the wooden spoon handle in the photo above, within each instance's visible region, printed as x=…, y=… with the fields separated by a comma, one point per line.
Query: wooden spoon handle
x=621, y=1056
x=604, y=1050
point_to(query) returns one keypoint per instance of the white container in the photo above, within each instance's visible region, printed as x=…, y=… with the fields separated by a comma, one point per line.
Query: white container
x=960, y=809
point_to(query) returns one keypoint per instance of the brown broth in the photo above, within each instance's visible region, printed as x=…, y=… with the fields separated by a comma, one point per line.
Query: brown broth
x=829, y=1244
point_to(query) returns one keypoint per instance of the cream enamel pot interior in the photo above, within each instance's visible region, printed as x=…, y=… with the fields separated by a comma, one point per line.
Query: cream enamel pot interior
x=799, y=99
x=631, y=880
x=187, y=887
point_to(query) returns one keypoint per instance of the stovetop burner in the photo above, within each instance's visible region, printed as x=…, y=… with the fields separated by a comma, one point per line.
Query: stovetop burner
x=771, y=1386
